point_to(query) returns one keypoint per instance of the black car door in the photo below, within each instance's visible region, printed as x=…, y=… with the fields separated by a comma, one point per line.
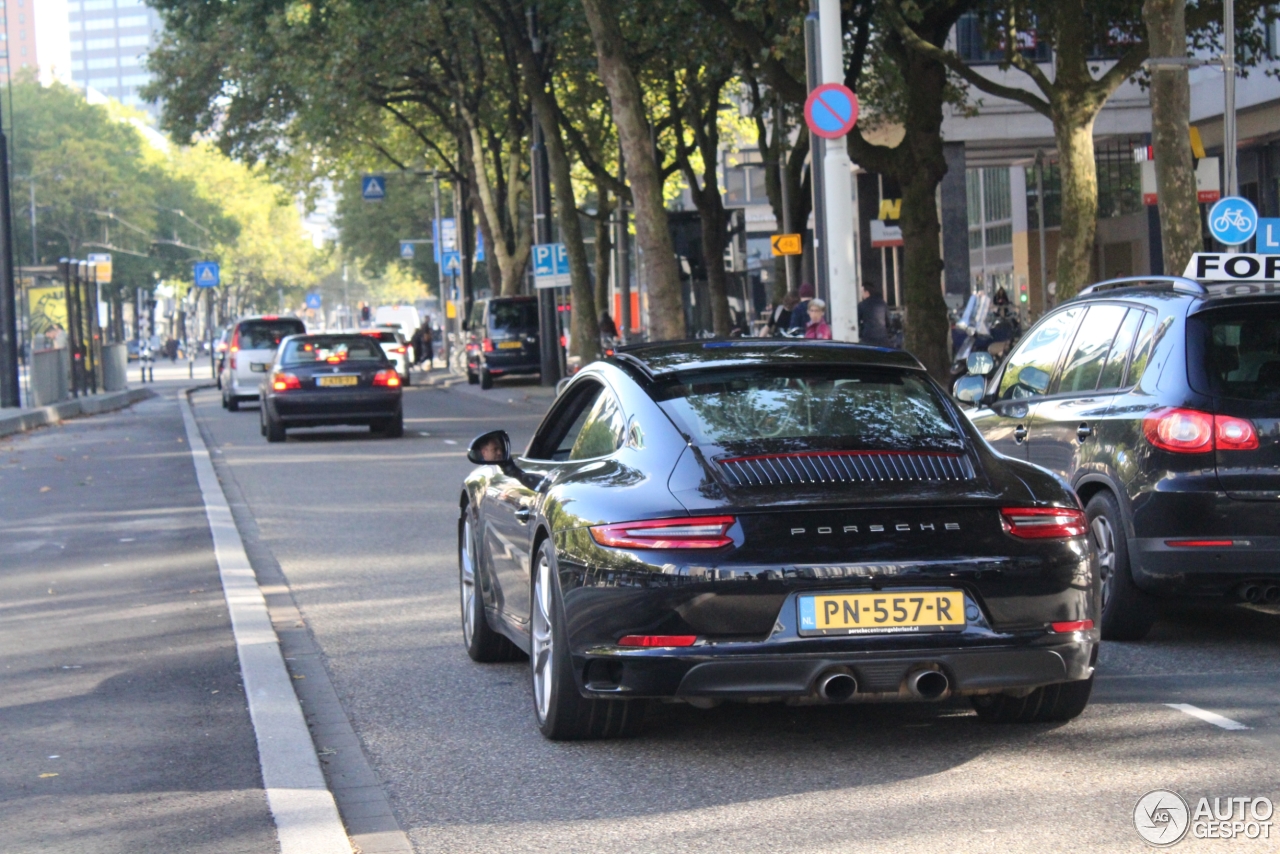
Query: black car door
x=511, y=499
x=1025, y=379
x=1063, y=432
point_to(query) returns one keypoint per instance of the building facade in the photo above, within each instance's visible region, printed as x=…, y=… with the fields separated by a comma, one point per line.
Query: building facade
x=109, y=43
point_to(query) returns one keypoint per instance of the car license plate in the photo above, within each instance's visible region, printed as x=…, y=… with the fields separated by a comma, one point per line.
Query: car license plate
x=509, y=345
x=336, y=381
x=882, y=613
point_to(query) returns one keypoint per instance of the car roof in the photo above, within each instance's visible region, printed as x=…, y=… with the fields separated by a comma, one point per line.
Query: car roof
x=655, y=360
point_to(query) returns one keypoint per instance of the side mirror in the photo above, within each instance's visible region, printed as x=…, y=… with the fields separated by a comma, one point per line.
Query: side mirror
x=1034, y=379
x=970, y=389
x=980, y=363
x=492, y=448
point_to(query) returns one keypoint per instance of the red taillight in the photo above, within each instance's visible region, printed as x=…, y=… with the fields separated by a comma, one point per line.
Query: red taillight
x=390, y=379
x=233, y=359
x=270, y=317
x=487, y=345
x=564, y=341
x=705, y=532
x=1234, y=434
x=1041, y=523
x=282, y=381
x=657, y=640
x=1200, y=544
x=1073, y=626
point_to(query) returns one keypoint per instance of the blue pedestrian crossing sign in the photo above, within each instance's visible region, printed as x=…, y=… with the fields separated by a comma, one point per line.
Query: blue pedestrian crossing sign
x=550, y=265
x=207, y=274
x=373, y=188
x=452, y=262
x=1233, y=220
x=406, y=250
x=314, y=300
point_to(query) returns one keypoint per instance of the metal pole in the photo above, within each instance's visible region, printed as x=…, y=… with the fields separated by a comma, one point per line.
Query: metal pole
x=787, y=226
x=35, y=252
x=548, y=313
x=1229, y=96
x=438, y=252
x=1044, y=262
x=208, y=323
x=817, y=153
x=624, y=261
x=9, y=386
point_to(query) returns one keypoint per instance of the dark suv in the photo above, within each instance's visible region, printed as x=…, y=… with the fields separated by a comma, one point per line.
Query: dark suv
x=1158, y=400
x=502, y=339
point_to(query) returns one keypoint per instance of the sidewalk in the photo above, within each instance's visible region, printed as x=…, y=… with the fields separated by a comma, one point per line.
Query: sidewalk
x=123, y=722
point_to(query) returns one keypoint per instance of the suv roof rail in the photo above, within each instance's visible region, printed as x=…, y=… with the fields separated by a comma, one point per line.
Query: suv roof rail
x=1177, y=283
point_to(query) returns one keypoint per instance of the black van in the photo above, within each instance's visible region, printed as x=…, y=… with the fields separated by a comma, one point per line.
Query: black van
x=1158, y=400
x=502, y=339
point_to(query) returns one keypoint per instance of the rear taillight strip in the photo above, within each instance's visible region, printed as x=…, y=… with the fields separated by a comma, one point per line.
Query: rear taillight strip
x=1043, y=523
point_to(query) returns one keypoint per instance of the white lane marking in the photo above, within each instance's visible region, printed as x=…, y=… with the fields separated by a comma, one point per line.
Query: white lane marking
x=301, y=804
x=1206, y=716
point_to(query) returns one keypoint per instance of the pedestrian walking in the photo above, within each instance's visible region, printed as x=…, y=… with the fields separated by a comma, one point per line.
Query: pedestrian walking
x=780, y=317
x=873, y=318
x=425, y=351
x=800, y=314
x=817, y=326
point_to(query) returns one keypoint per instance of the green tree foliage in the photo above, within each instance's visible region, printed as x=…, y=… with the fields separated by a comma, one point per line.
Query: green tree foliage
x=372, y=231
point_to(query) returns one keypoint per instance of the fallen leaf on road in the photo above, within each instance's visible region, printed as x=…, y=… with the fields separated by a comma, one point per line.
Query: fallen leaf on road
x=49, y=774
x=46, y=488
x=298, y=676
x=60, y=459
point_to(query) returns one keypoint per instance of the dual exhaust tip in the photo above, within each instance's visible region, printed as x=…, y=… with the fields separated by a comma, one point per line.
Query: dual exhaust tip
x=839, y=686
x=1258, y=592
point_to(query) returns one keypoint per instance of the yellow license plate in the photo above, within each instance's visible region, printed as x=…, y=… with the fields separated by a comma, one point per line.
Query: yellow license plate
x=882, y=613
x=509, y=345
x=337, y=381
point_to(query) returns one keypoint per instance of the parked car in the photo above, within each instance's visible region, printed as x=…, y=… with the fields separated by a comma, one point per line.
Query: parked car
x=715, y=520
x=394, y=345
x=250, y=350
x=404, y=318
x=1158, y=400
x=502, y=339
x=323, y=380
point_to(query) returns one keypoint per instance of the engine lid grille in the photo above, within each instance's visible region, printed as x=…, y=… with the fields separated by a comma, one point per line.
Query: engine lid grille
x=817, y=467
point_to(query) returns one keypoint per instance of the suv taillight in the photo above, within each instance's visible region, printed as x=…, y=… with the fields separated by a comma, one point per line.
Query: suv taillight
x=1043, y=523
x=487, y=345
x=1189, y=431
x=235, y=341
x=702, y=532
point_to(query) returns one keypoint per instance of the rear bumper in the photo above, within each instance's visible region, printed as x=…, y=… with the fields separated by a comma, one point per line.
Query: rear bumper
x=1164, y=569
x=721, y=673
x=302, y=409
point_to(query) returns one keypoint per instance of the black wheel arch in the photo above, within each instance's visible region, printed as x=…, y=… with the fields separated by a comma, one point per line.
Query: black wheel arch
x=1090, y=484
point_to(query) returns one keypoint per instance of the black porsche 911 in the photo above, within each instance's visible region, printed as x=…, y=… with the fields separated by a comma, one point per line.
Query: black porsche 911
x=784, y=520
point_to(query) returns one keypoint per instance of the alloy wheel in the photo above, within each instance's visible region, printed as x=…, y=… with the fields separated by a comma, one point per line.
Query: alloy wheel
x=468, y=585
x=1104, y=543
x=543, y=642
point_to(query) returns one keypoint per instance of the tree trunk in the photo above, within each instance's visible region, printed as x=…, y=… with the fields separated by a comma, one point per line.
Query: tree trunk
x=1073, y=129
x=1170, y=123
x=711, y=216
x=511, y=260
x=626, y=100
x=604, y=248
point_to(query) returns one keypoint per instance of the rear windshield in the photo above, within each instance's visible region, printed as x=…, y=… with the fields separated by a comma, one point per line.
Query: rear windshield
x=513, y=315
x=821, y=406
x=1242, y=351
x=332, y=349
x=266, y=334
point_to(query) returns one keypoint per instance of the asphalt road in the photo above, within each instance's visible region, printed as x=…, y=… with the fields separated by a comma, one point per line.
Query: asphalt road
x=123, y=725
x=364, y=529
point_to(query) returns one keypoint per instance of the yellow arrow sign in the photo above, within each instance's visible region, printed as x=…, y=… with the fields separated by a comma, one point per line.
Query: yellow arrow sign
x=787, y=244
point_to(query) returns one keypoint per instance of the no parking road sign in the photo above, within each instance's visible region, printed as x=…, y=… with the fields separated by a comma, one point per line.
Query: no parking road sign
x=207, y=274
x=831, y=110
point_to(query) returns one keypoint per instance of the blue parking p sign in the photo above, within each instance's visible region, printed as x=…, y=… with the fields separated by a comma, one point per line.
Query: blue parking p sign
x=207, y=274
x=550, y=265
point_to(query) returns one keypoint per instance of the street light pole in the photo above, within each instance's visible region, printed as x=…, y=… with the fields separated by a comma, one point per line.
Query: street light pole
x=1229, y=96
x=817, y=151
x=548, y=324
x=9, y=395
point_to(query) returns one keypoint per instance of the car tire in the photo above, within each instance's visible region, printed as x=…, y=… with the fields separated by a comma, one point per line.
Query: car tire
x=482, y=643
x=562, y=713
x=394, y=428
x=406, y=379
x=275, y=429
x=472, y=379
x=233, y=403
x=1127, y=612
x=262, y=418
x=224, y=398
x=486, y=380
x=1046, y=704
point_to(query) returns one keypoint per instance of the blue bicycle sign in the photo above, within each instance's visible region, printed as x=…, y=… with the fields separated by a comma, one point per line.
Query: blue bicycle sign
x=1233, y=220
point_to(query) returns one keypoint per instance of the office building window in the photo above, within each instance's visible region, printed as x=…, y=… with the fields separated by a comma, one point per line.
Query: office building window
x=105, y=62
x=135, y=41
x=133, y=21
x=100, y=24
x=94, y=5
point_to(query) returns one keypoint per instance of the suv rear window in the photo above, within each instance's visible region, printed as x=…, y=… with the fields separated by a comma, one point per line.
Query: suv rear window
x=836, y=406
x=511, y=314
x=1241, y=351
x=266, y=334
x=332, y=349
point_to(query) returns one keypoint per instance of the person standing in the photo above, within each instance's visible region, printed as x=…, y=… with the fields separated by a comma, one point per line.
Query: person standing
x=873, y=318
x=780, y=319
x=800, y=314
x=817, y=326
x=427, y=353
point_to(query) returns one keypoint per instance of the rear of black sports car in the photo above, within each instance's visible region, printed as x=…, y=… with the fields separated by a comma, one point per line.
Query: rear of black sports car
x=839, y=534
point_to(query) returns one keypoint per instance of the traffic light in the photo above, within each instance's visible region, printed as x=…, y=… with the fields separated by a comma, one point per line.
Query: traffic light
x=1022, y=290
